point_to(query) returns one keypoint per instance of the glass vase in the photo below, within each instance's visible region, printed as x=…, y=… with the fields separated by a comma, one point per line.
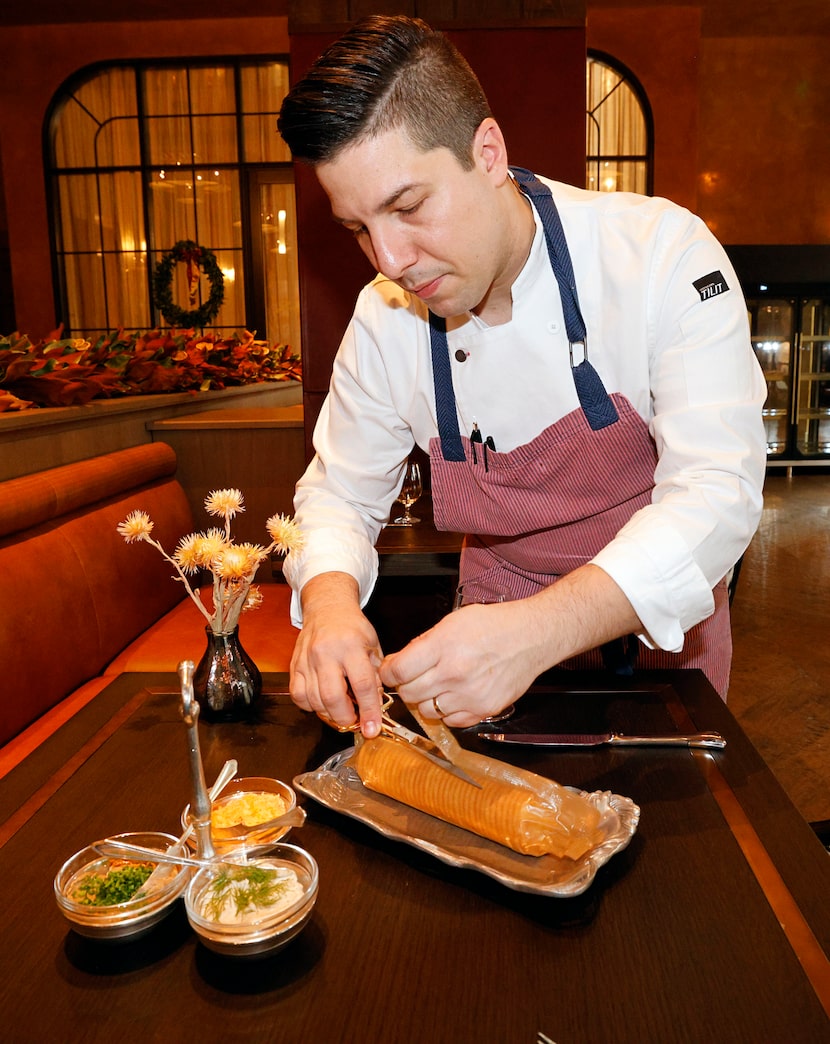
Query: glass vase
x=227, y=683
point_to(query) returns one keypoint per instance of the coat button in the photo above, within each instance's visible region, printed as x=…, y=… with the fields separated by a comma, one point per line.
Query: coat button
x=461, y=355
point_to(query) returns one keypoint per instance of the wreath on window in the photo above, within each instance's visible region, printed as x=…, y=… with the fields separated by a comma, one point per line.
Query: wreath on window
x=196, y=258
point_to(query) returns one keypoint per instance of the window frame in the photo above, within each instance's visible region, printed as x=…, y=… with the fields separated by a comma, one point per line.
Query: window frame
x=149, y=248
x=626, y=77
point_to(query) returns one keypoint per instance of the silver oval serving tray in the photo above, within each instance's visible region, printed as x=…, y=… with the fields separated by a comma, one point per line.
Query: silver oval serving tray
x=336, y=785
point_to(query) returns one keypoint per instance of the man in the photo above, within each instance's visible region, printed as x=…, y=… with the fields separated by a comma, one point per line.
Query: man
x=578, y=366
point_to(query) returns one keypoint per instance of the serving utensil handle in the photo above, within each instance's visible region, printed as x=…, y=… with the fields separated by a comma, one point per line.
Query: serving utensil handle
x=710, y=740
x=200, y=804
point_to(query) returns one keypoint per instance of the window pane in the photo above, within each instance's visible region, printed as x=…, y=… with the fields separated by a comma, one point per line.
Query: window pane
x=232, y=312
x=279, y=262
x=602, y=79
x=212, y=90
x=168, y=140
x=83, y=137
x=218, y=212
x=173, y=208
x=621, y=120
x=214, y=139
x=616, y=175
x=263, y=89
x=80, y=224
x=263, y=143
x=264, y=86
x=127, y=303
x=117, y=143
x=102, y=211
x=122, y=211
x=85, y=292
x=166, y=92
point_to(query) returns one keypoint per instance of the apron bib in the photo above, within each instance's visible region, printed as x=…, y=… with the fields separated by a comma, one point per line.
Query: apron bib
x=549, y=506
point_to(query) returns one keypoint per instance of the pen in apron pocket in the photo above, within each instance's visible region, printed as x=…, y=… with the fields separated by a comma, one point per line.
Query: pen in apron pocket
x=475, y=437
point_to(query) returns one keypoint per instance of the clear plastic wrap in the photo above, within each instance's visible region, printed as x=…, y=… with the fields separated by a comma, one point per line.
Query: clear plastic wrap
x=526, y=812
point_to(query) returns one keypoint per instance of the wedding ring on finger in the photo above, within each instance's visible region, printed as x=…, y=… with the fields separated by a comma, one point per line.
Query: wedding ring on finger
x=437, y=707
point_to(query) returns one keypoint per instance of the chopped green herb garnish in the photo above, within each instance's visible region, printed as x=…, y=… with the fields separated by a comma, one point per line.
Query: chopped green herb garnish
x=116, y=886
x=246, y=886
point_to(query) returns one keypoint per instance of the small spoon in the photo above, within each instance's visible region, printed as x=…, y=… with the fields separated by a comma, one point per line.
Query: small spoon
x=122, y=849
x=226, y=774
x=255, y=834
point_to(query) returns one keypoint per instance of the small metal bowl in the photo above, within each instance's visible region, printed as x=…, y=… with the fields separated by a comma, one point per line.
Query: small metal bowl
x=240, y=836
x=137, y=915
x=270, y=931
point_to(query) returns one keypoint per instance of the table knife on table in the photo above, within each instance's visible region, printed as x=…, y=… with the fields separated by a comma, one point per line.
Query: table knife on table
x=711, y=740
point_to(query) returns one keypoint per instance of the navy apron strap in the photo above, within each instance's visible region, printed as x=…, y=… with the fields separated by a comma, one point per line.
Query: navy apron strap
x=596, y=404
x=445, y=408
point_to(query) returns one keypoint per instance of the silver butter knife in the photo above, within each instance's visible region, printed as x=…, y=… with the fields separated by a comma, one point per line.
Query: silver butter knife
x=599, y=739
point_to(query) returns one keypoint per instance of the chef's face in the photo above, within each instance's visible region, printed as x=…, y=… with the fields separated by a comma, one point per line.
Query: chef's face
x=439, y=231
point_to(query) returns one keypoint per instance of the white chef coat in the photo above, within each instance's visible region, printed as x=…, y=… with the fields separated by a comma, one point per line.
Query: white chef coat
x=681, y=354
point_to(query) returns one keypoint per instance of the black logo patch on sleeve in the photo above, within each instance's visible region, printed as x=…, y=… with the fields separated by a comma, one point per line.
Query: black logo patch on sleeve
x=711, y=285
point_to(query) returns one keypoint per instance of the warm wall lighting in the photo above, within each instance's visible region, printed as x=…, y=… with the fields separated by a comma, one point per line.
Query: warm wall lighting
x=281, y=232
x=709, y=180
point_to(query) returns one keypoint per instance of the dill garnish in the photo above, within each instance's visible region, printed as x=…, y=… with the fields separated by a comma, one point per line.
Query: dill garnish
x=246, y=887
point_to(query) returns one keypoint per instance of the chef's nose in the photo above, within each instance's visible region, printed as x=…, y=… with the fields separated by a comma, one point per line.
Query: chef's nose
x=394, y=252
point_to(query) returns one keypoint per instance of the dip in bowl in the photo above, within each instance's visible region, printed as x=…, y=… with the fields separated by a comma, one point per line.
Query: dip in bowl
x=256, y=904
x=111, y=899
x=243, y=815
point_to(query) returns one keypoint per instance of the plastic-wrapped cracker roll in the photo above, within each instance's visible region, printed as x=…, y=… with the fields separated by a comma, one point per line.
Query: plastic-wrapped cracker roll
x=547, y=819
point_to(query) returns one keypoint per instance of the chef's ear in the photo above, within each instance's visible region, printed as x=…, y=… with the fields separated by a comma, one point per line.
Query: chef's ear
x=490, y=150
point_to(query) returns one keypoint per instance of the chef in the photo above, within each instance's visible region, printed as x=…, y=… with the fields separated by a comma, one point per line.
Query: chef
x=576, y=364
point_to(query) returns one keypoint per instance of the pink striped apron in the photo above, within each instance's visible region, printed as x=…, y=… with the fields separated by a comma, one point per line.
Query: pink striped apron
x=547, y=507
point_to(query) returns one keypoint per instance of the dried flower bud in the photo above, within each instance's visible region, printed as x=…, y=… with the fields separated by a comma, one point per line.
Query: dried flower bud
x=285, y=533
x=136, y=526
x=224, y=502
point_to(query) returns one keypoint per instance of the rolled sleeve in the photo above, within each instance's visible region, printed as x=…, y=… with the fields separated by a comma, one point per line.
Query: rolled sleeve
x=650, y=563
x=331, y=550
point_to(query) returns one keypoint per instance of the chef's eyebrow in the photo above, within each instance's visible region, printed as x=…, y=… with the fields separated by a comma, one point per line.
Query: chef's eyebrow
x=385, y=204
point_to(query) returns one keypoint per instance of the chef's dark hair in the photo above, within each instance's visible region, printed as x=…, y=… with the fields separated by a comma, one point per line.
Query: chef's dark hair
x=386, y=72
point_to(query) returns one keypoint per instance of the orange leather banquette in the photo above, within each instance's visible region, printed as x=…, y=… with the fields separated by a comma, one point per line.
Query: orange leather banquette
x=80, y=605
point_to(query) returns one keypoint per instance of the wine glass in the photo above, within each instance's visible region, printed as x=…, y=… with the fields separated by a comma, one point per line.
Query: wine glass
x=411, y=491
x=458, y=603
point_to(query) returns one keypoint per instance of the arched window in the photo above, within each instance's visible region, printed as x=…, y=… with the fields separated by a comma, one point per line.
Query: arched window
x=141, y=156
x=620, y=130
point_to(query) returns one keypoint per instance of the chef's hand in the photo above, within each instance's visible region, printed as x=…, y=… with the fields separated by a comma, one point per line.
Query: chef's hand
x=477, y=661
x=473, y=662
x=337, y=655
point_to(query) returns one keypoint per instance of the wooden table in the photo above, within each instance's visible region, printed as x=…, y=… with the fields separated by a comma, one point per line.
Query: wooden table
x=713, y=925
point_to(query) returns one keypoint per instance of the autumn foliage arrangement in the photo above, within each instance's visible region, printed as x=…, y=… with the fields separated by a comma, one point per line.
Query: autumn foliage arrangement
x=72, y=371
x=232, y=566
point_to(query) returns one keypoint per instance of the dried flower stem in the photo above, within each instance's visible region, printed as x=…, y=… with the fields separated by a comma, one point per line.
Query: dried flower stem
x=232, y=566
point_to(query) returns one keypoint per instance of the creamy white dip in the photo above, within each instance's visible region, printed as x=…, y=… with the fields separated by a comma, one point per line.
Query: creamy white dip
x=237, y=900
